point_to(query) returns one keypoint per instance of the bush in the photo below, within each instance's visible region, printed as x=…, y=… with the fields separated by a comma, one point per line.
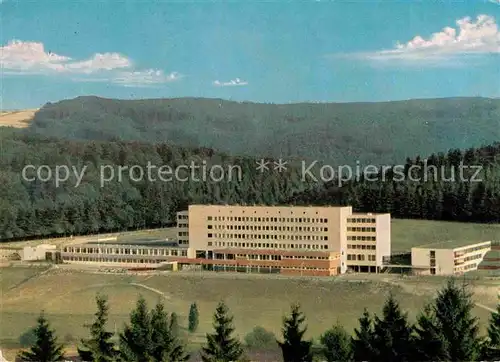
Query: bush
x=27, y=339
x=260, y=338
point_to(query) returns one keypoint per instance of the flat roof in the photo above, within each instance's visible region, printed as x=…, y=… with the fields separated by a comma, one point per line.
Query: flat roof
x=450, y=244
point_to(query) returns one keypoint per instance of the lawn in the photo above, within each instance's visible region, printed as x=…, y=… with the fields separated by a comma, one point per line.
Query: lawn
x=409, y=233
x=67, y=297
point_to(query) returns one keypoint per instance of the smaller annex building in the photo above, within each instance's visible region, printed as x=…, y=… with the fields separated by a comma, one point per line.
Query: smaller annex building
x=449, y=257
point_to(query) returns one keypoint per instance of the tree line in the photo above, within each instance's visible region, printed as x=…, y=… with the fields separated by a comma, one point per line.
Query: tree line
x=456, y=186
x=445, y=330
x=41, y=209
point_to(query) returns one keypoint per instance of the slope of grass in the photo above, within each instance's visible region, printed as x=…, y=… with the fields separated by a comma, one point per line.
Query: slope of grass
x=409, y=233
x=17, y=119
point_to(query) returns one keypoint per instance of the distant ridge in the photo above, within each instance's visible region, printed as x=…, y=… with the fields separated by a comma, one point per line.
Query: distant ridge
x=338, y=133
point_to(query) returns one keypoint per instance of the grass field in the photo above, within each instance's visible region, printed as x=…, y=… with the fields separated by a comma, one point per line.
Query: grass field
x=17, y=119
x=67, y=297
x=409, y=233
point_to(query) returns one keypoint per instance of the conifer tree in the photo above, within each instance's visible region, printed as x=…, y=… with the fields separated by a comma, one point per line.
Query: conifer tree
x=193, y=318
x=165, y=345
x=45, y=348
x=429, y=342
x=392, y=340
x=294, y=347
x=221, y=346
x=177, y=350
x=99, y=348
x=337, y=345
x=453, y=320
x=135, y=340
x=493, y=344
x=363, y=338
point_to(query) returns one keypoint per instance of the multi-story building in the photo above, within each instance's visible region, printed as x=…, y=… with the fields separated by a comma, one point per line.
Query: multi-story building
x=449, y=258
x=306, y=240
x=299, y=240
x=149, y=254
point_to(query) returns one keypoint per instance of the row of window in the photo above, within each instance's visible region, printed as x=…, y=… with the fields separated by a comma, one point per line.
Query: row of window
x=361, y=229
x=361, y=221
x=361, y=247
x=183, y=226
x=468, y=258
x=267, y=236
x=361, y=257
x=268, y=219
x=267, y=227
x=113, y=260
x=469, y=250
x=362, y=238
x=466, y=267
x=183, y=233
x=268, y=257
x=126, y=251
x=182, y=216
x=267, y=245
x=232, y=267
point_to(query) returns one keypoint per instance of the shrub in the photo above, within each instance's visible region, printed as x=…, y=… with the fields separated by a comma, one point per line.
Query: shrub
x=260, y=338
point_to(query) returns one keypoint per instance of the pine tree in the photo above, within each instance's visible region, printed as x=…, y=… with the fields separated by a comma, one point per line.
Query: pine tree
x=221, y=347
x=493, y=344
x=99, y=348
x=294, y=348
x=177, y=350
x=165, y=345
x=337, y=345
x=193, y=318
x=452, y=324
x=429, y=342
x=363, y=338
x=392, y=334
x=135, y=340
x=45, y=348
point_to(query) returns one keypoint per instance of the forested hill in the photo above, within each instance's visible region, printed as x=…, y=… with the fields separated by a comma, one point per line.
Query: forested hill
x=458, y=186
x=338, y=133
x=91, y=199
x=96, y=196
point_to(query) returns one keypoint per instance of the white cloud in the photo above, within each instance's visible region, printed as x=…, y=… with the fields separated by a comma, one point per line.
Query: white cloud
x=24, y=58
x=495, y=1
x=145, y=77
x=479, y=37
x=233, y=82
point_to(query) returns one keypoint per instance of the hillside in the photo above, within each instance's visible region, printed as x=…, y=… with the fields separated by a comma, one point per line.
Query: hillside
x=126, y=200
x=459, y=185
x=336, y=133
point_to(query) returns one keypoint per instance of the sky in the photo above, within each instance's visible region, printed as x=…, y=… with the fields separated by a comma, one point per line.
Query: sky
x=261, y=51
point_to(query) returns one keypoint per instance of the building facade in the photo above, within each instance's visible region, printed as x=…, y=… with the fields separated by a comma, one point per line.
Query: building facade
x=304, y=240
x=37, y=253
x=125, y=255
x=292, y=240
x=449, y=258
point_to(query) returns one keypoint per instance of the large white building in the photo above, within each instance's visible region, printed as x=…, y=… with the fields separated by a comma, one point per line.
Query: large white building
x=449, y=258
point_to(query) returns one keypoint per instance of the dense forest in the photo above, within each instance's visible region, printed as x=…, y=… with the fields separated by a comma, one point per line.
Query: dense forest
x=458, y=186
x=337, y=133
x=37, y=208
x=90, y=135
